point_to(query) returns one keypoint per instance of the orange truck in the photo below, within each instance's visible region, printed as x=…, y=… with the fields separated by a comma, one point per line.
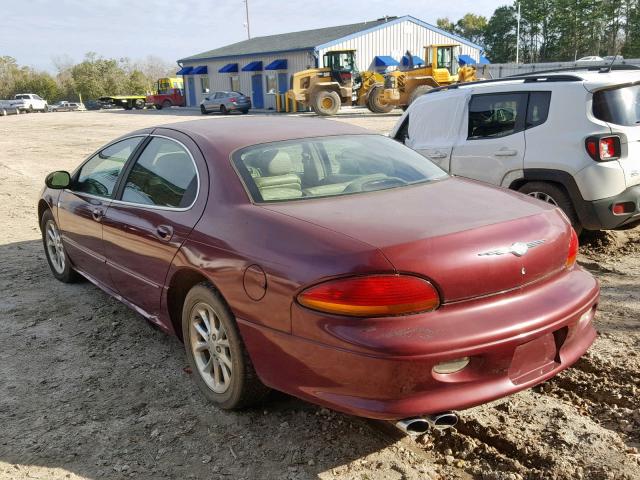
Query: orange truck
x=169, y=92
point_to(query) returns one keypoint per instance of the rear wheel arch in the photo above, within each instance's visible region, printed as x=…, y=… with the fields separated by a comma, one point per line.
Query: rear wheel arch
x=180, y=284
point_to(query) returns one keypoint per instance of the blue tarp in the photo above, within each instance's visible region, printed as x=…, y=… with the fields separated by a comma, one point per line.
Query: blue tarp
x=385, y=61
x=280, y=64
x=252, y=67
x=184, y=71
x=484, y=60
x=201, y=70
x=416, y=60
x=229, y=68
x=466, y=60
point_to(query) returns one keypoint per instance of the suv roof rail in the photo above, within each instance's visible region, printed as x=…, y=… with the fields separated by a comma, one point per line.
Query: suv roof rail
x=589, y=68
x=531, y=78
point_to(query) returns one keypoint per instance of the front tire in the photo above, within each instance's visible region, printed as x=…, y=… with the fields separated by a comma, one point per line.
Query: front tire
x=203, y=110
x=554, y=195
x=325, y=103
x=57, y=257
x=216, y=353
x=167, y=104
x=375, y=102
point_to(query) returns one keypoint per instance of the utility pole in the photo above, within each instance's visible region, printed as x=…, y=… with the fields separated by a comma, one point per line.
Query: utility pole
x=518, y=37
x=246, y=6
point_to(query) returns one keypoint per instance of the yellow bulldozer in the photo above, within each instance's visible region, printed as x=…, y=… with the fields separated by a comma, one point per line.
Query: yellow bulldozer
x=402, y=87
x=326, y=89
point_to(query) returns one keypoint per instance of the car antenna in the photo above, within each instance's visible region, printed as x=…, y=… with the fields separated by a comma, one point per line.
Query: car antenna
x=615, y=55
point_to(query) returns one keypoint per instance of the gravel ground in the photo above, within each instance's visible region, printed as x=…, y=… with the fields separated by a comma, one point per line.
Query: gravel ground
x=88, y=389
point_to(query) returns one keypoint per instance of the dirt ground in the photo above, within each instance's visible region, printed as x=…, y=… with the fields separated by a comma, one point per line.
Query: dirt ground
x=89, y=390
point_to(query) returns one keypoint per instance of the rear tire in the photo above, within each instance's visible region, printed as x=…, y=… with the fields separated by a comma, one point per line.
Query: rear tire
x=375, y=102
x=555, y=195
x=45, y=109
x=325, y=103
x=158, y=106
x=418, y=92
x=216, y=353
x=167, y=104
x=223, y=110
x=54, y=250
x=244, y=112
x=3, y=113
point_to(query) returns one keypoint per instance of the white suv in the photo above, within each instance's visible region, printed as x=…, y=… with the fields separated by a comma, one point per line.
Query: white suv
x=568, y=138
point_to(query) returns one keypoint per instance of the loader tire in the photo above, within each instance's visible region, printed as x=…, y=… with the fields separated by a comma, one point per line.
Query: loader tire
x=418, y=92
x=325, y=103
x=375, y=103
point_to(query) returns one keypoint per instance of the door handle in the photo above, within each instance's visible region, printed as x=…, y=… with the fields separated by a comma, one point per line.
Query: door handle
x=97, y=213
x=506, y=153
x=437, y=155
x=165, y=232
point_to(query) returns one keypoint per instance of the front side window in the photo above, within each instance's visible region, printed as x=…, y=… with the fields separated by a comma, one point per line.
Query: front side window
x=164, y=175
x=620, y=105
x=98, y=176
x=330, y=166
x=496, y=115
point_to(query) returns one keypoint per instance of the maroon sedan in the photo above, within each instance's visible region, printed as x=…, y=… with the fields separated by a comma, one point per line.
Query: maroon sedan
x=324, y=261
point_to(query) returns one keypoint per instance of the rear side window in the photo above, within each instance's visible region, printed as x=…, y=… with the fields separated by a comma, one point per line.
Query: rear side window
x=98, y=176
x=496, y=115
x=538, y=109
x=620, y=106
x=164, y=175
x=403, y=132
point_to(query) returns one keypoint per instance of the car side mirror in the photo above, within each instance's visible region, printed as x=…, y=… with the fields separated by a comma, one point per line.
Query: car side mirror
x=58, y=180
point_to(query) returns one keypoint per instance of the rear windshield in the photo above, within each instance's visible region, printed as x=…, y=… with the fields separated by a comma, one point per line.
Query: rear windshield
x=620, y=106
x=330, y=166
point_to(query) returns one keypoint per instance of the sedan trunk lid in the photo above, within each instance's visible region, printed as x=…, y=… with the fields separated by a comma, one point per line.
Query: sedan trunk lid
x=468, y=238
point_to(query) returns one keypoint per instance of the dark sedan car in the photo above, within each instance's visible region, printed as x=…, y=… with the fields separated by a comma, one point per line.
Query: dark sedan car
x=225, y=103
x=324, y=261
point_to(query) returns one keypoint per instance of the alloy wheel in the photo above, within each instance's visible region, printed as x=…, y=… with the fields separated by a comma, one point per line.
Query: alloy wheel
x=544, y=197
x=210, y=347
x=55, y=249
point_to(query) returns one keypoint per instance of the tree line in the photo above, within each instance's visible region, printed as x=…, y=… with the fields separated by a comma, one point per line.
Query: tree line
x=554, y=30
x=92, y=78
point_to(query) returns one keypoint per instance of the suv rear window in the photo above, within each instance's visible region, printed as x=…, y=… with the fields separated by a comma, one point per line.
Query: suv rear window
x=618, y=105
x=330, y=166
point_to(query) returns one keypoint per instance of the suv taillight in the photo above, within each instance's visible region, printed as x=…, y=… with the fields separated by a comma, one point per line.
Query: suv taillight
x=603, y=149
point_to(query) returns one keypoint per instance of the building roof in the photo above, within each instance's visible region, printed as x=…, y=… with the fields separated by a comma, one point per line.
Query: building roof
x=307, y=39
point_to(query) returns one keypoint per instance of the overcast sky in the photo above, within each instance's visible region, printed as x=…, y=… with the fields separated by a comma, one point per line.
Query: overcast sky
x=36, y=31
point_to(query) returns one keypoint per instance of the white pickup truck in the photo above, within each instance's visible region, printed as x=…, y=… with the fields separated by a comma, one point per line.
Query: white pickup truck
x=30, y=102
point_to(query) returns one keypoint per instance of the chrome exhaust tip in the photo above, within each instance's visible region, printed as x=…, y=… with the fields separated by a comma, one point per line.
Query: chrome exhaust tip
x=415, y=426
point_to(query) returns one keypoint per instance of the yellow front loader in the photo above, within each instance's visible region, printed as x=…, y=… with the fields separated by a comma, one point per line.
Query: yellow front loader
x=326, y=89
x=441, y=68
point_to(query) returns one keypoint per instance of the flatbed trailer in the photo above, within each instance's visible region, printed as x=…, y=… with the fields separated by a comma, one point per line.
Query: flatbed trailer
x=127, y=102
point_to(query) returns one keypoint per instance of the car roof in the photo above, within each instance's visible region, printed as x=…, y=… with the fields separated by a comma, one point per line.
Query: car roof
x=228, y=134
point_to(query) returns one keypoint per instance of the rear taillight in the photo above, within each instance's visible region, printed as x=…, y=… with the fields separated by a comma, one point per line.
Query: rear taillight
x=233, y=100
x=372, y=296
x=603, y=149
x=573, y=250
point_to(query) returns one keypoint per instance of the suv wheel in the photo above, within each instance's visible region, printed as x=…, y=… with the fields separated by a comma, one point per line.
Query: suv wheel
x=555, y=195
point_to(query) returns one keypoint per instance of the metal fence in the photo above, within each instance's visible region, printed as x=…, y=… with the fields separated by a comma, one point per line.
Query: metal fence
x=499, y=70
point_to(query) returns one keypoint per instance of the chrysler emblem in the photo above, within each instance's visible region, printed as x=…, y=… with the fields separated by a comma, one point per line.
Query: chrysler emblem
x=518, y=249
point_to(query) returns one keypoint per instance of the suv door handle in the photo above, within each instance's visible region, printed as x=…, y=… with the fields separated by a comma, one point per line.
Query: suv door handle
x=165, y=232
x=437, y=155
x=97, y=213
x=506, y=153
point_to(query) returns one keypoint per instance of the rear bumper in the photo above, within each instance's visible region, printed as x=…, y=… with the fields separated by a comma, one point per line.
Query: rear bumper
x=603, y=213
x=384, y=368
x=239, y=106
